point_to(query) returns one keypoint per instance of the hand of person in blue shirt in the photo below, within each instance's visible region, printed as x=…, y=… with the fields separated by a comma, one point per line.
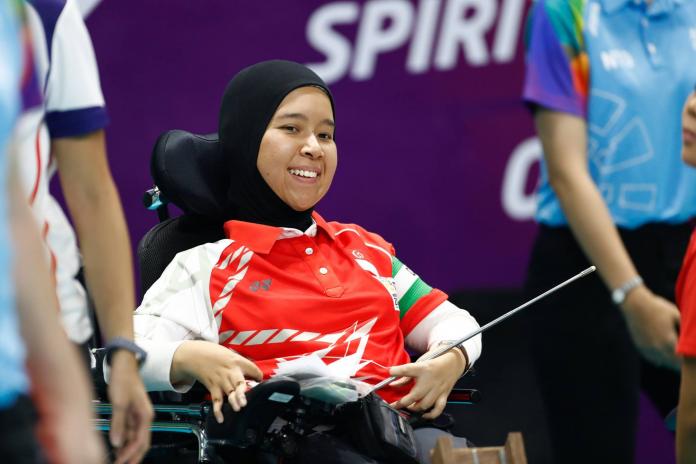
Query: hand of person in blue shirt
x=653, y=322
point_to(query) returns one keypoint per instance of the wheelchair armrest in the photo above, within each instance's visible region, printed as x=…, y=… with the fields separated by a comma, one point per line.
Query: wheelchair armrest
x=464, y=396
x=445, y=421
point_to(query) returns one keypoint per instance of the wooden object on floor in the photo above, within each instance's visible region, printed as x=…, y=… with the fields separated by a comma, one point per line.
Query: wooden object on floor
x=511, y=453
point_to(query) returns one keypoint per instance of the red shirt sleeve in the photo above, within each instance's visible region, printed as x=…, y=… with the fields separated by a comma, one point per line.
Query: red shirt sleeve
x=686, y=300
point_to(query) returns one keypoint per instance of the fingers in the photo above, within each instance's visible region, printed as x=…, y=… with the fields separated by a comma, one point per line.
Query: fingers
x=400, y=382
x=427, y=401
x=237, y=397
x=429, y=391
x=437, y=409
x=137, y=435
x=670, y=360
x=130, y=448
x=414, y=396
x=143, y=421
x=405, y=370
x=250, y=369
x=663, y=357
x=399, y=371
x=118, y=424
x=231, y=387
x=217, y=405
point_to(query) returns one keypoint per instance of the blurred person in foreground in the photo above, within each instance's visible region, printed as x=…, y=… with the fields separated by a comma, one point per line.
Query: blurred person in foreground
x=68, y=137
x=29, y=328
x=686, y=300
x=606, y=80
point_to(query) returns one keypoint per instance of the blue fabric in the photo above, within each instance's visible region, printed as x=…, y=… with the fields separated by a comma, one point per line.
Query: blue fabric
x=13, y=378
x=76, y=122
x=49, y=11
x=641, y=71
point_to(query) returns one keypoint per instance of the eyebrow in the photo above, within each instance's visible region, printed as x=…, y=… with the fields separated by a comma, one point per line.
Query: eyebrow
x=301, y=116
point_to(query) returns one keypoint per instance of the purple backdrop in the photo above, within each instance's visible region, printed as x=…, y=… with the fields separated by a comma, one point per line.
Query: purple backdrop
x=428, y=112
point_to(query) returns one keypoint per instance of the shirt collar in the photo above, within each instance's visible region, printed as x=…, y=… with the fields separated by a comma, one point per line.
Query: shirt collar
x=657, y=6
x=260, y=238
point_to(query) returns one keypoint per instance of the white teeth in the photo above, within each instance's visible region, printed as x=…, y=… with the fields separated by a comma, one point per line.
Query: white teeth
x=303, y=173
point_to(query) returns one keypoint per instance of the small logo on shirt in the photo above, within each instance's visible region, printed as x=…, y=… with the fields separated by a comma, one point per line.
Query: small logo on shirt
x=617, y=59
x=257, y=285
x=358, y=255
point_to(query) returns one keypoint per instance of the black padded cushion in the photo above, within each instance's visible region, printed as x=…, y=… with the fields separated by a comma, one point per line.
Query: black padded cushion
x=191, y=172
x=159, y=246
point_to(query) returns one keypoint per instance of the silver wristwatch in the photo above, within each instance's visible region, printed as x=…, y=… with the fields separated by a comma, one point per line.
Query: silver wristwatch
x=618, y=295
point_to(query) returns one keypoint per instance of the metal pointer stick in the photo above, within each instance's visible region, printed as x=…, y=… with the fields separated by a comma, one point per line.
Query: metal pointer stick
x=495, y=321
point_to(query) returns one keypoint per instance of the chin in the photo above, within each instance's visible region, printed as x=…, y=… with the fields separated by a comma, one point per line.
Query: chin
x=689, y=156
x=302, y=207
x=303, y=204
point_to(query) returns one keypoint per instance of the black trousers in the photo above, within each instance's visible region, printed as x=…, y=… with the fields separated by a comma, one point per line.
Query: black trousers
x=588, y=370
x=18, y=443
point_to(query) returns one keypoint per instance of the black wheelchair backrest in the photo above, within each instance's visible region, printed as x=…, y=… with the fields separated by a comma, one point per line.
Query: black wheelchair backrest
x=191, y=172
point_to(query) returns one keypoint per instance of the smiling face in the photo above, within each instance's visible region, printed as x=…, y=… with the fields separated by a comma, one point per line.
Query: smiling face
x=297, y=156
x=689, y=130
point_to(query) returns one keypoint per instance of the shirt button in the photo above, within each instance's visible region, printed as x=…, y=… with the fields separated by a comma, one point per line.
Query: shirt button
x=323, y=271
x=308, y=251
x=644, y=22
x=651, y=48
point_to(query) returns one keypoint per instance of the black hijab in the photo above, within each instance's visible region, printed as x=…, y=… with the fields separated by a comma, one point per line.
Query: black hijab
x=250, y=100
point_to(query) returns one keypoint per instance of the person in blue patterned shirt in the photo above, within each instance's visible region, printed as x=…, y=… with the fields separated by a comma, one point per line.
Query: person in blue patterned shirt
x=606, y=80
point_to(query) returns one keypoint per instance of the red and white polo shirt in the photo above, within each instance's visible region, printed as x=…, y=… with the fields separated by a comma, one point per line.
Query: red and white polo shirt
x=274, y=294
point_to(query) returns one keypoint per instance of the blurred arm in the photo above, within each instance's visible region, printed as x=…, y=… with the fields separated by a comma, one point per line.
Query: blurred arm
x=101, y=230
x=96, y=211
x=63, y=390
x=565, y=149
x=652, y=320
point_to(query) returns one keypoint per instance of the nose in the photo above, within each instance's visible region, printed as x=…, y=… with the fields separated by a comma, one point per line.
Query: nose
x=691, y=105
x=312, y=148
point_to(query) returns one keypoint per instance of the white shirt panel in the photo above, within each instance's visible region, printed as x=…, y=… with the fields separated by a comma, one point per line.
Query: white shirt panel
x=177, y=308
x=72, y=55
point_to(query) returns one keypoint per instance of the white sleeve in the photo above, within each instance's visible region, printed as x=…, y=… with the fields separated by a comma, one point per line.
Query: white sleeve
x=74, y=100
x=177, y=308
x=446, y=322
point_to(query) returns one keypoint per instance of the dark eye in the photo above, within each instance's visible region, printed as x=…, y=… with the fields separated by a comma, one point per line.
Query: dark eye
x=290, y=129
x=326, y=136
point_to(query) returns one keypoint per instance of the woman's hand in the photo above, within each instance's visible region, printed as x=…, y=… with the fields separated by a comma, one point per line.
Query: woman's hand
x=434, y=379
x=221, y=370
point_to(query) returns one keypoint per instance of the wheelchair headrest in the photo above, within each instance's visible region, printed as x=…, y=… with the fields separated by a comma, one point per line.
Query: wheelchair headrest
x=191, y=172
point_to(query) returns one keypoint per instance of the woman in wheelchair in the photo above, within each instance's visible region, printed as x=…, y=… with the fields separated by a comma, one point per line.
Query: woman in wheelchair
x=285, y=283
